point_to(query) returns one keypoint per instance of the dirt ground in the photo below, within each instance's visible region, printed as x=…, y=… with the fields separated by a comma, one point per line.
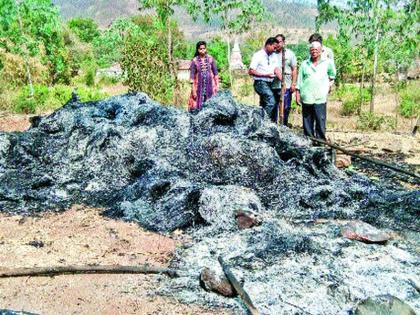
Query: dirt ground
x=81, y=236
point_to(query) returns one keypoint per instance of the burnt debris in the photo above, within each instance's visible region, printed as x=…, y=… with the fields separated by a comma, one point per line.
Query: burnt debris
x=163, y=167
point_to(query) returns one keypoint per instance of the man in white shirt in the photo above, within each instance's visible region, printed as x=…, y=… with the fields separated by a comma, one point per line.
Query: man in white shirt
x=289, y=76
x=264, y=68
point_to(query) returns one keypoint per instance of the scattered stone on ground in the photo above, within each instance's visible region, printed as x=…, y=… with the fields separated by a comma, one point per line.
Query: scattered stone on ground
x=216, y=282
x=363, y=232
x=246, y=219
x=342, y=161
x=383, y=305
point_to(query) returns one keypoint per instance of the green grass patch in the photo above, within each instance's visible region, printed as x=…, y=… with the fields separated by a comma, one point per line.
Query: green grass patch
x=410, y=100
x=50, y=98
x=352, y=98
x=370, y=121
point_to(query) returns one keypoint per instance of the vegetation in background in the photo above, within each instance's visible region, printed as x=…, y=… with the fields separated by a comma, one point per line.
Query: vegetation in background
x=50, y=98
x=373, y=35
x=86, y=29
x=144, y=60
x=217, y=48
x=410, y=101
x=109, y=45
x=352, y=99
x=370, y=121
x=33, y=28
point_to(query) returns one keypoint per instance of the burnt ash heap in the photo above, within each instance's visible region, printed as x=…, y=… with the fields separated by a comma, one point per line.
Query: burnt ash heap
x=168, y=169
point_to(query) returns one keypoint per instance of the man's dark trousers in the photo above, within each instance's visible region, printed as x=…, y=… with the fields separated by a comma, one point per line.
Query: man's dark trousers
x=267, y=99
x=314, y=120
x=287, y=104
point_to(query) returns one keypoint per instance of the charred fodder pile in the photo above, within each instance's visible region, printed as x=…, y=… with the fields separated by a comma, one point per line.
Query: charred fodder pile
x=214, y=172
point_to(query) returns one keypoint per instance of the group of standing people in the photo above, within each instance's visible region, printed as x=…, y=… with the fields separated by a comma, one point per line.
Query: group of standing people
x=311, y=84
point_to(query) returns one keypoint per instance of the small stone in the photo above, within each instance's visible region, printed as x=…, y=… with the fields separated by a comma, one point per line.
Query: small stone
x=211, y=281
x=246, y=219
x=36, y=243
x=364, y=232
x=385, y=305
x=342, y=161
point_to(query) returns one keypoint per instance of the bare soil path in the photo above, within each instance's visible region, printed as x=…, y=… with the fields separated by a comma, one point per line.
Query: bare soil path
x=81, y=236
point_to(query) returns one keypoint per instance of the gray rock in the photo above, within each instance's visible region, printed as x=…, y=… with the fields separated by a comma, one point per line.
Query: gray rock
x=363, y=232
x=383, y=305
x=216, y=282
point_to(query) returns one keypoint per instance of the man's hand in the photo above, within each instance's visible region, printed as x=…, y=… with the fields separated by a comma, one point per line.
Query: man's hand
x=293, y=88
x=298, y=98
x=277, y=73
x=331, y=85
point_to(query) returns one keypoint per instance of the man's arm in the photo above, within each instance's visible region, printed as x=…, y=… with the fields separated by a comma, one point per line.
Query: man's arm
x=299, y=85
x=294, y=79
x=255, y=73
x=332, y=73
x=293, y=66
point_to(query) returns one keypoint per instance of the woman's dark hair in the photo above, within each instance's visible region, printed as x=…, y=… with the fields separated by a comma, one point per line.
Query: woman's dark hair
x=200, y=43
x=281, y=36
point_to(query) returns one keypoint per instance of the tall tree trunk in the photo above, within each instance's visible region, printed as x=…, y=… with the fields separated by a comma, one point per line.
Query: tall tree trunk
x=172, y=65
x=375, y=57
x=375, y=69
x=226, y=30
x=362, y=83
x=228, y=56
x=26, y=55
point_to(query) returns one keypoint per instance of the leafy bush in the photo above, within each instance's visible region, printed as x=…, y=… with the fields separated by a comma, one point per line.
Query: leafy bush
x=13, y=71
x=50, y=98
x=410, y=102
x=301, y=51
x=90, y=75
x=108, y=46
x=145, y=60
x=85, y=29
x=107, y=80
x=352, y=99
x=370, y=121
x=217, y=47
x=24, y=103
x=88, y=94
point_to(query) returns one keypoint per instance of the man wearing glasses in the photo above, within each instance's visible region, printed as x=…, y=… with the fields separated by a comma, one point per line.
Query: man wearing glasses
x=264, y=68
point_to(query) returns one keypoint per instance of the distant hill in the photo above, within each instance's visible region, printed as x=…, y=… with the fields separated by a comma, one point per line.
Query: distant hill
x=285, y=15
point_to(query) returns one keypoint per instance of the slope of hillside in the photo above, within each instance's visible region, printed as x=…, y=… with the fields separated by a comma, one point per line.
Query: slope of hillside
x=285, y=14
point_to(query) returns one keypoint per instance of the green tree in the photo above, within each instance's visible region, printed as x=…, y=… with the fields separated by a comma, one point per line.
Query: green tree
x=109, y=44
x=371, y=26
x=236, y=16
x=85, y=29
x=164, y=10
x=145, y=62
x=33, y=27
